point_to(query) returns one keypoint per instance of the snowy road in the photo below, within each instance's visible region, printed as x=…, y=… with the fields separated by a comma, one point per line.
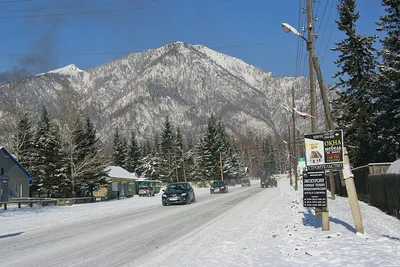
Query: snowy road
x=123, y=238
x=246, y=227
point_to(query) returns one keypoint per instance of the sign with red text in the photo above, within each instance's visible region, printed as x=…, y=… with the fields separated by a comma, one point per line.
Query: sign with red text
x=324, y=151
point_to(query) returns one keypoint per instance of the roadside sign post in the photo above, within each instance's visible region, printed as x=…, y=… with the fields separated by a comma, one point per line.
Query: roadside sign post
x=314, y=189
x=324, y=151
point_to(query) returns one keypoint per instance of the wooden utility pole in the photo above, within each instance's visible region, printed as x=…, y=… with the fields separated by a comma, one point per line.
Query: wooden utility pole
x=176, y=166
x=220, y=163
x=310, y=49
x=322, y=88
x=296, y=186
x=332, y=183
x=346, y=172
x=352, y=193
x=184, y=167
x=313, y=95
x=290, y=157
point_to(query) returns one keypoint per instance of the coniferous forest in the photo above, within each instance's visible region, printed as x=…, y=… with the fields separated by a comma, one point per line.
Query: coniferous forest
x=72, y=161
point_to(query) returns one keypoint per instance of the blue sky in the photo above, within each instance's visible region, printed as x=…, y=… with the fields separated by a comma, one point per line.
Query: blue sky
x=154, y=23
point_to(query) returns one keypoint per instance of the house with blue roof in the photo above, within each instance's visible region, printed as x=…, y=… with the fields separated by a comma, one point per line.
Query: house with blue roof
x=14, y=179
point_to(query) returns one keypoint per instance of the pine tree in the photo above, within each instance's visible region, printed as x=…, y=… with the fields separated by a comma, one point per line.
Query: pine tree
x=189, y=160
x=179, y=155
x=204, y=161
x=167, y=151
x=48, y=170
x=95, y=163
x=357, y=64
x=387, y=95
x=24, y=143
x=87, y=164
x=134, y=155
x=213, y=147
x=76, y=155
x=147, y=149
x=229, y=163
x=120, y=146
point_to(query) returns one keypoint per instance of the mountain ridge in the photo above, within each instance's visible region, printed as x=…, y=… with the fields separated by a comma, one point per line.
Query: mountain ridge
x=188, y=82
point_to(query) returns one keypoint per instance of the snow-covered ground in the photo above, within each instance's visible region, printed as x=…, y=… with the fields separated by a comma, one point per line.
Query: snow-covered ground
x=267, y=227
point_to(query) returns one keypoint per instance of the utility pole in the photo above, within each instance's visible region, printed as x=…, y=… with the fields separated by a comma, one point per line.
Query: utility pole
x=220, y=163
x=313, y=96
x=290, y=157
x=184, y=166
x=176, y=166
x=296, y=186
x=328, y=114
x=322, y=88
x=310, y=49
x=346, y=172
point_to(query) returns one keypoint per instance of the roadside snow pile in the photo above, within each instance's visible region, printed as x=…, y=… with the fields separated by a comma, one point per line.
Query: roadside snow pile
x=273, y=229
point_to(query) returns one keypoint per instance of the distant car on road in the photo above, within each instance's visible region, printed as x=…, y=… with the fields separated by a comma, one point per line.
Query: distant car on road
x=219, y=187
x=245, y=182
x=145, y=190
x=178, y=193
x=268, y=182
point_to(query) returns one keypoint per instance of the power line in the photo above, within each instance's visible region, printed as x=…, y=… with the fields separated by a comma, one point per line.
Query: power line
x=128, y=52
x=116, y=10
x=323, y=34
x=15, y=1
x=323, y=15
x=74, y=7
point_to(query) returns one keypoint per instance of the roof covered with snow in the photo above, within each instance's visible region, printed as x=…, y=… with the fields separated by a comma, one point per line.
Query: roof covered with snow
x=394, y=167
x=15, y=161
x=119, y=172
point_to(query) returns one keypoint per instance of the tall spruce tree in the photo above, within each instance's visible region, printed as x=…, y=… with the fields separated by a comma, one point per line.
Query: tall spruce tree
x=119, y=145
x=48, y=170
x=229, y=163
x=94, y=162
x=24, y=147
x=204, y=161
x=151, y=163
x=168, y=150
x=213, y=147
x=357, y=64
x=133, y=155
x=387, y=95
x=179, y=155
x=189, y=160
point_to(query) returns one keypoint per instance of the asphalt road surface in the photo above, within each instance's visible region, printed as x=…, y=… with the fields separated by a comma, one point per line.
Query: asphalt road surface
x=125, y=239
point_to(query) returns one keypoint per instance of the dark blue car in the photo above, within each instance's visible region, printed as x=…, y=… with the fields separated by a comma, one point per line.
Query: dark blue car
x=178, y=193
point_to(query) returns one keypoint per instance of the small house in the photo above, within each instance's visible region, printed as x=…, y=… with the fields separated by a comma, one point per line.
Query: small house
x=14, y=179
x=122, y=184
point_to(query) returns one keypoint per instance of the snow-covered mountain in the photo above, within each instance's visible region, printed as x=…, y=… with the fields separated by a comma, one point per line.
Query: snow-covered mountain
x=67, y=70
x=186, y=82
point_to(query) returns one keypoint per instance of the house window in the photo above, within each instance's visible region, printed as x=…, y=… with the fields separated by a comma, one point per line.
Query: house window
x=19, y=190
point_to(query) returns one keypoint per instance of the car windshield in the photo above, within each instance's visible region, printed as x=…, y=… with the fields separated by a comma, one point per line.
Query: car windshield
x=218, y=183
x=176, y=187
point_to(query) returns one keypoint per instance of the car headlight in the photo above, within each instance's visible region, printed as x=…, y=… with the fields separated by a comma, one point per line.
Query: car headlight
x=164, y=195
x=183, y=194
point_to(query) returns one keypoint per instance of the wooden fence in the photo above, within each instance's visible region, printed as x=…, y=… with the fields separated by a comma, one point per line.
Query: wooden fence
x=374, y=186
x=384, y=192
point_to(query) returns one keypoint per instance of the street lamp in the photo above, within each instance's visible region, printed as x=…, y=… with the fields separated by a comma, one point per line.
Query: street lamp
x=290, y=29
x=314, y=65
